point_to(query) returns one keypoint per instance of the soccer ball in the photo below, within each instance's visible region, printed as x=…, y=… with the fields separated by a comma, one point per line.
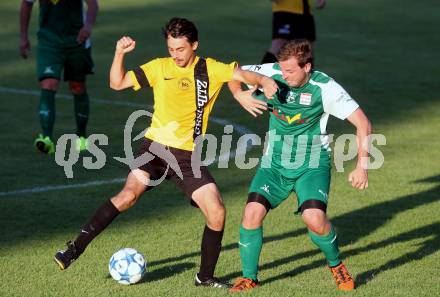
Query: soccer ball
x=127, y=266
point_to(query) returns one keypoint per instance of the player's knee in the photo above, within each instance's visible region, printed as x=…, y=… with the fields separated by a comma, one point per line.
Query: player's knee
x=320, y=229
x=49, y=84
x=257, y=206
x=216, y=217
x=77, y=88
x=125, y=199
x=253, y=215
x=316, y=221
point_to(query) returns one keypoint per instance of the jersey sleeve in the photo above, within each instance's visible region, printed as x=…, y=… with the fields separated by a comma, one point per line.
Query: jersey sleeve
x=265, y=69
x=219, y=71
x=337, y=101
x=269, y=70
x=145, y=75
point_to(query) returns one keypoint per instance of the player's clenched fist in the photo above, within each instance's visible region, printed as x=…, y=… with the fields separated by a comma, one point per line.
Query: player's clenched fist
x=125, y=45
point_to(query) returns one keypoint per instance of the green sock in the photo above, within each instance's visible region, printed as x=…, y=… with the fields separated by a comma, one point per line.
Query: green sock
x=328, y=244
x=251, y=242
x=81, y=112
x=46, y=110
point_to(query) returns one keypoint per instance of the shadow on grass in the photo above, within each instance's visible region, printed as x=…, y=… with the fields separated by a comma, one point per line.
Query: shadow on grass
x=163, y=272
x=166, y=272
x=359, y=223
x=62, y=212
x=352, y=227
x=25, y=219
x=427, y=247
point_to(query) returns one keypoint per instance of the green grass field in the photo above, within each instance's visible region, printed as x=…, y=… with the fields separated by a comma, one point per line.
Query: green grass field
x=384, y=54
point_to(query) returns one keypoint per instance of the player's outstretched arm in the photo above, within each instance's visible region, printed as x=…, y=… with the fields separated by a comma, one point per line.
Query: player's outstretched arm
x=245, y=99
x=119, y=79
x=252, y=78
x=92, y=12
x=359, y=176
x=25, y=16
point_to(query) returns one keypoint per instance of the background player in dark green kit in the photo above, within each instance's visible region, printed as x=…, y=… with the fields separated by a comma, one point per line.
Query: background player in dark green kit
x=63, y=44
x=297, y=158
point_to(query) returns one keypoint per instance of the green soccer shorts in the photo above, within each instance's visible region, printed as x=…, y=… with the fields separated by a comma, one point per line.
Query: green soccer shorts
x=52, y=58
x=308, y=184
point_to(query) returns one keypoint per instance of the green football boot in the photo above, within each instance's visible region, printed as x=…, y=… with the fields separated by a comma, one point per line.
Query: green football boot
x=44, y=144
x=82, y=144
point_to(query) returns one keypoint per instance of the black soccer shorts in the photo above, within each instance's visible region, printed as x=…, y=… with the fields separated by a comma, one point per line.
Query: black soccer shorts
x=195, y=175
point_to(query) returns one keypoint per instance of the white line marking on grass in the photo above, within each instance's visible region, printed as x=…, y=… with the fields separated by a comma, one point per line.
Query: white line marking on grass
x=240, y=129
x=69, y=97
x=63, y=187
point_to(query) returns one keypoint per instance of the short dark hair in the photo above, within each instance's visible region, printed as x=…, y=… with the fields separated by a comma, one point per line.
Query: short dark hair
x=180, y=27
x=301, y=49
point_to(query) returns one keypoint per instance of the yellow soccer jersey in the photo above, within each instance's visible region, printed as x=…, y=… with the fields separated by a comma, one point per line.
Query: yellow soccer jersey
x=292, y=6
x=180, y=113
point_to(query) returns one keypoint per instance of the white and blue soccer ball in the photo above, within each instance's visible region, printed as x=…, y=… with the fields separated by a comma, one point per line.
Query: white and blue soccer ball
x=127, y=266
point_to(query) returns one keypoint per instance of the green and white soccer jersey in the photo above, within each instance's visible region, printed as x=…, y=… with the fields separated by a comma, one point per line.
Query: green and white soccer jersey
x=298, y=144
x=58, y=49
x=60, y=21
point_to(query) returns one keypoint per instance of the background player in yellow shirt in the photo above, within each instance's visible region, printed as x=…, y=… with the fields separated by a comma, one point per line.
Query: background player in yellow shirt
x=291, y=19
x=185, y=88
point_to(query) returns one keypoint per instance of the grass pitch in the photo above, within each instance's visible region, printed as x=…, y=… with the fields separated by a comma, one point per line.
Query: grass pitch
x=385, y=55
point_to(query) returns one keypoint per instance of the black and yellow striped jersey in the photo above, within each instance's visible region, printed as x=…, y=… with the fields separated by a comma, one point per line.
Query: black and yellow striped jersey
x=183, y=97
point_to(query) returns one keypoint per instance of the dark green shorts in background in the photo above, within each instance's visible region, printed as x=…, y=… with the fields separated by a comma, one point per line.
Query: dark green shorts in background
x=52, y=58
